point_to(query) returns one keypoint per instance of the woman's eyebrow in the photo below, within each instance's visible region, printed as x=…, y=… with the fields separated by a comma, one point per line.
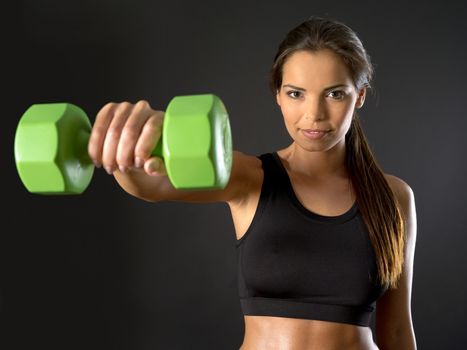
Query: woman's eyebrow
x=302, y=89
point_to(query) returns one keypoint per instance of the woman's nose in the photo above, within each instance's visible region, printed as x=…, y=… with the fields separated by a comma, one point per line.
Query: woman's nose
x=314, y=110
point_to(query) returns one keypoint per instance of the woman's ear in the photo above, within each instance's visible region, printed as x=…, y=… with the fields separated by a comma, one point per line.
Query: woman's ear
x=361, y=98
x=278, y=99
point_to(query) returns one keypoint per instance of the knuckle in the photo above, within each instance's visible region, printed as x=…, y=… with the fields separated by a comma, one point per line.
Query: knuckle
x=143, y=104
x=159, y=115
x=109, y=105
x=104, y=111
x=122, y=107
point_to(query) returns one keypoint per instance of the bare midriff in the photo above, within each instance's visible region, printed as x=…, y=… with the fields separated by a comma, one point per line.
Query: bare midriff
x=281, y=333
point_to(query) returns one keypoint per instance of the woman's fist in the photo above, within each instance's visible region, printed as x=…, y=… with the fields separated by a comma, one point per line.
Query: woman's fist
x=124, y=135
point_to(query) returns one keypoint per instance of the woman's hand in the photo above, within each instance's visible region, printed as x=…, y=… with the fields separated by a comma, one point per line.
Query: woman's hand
x=124, y=135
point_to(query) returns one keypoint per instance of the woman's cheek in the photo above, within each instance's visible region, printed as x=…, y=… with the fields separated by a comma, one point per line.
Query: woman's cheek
x=290, y=111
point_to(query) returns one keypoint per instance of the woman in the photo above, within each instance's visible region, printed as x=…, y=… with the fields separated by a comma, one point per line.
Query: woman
x=324, y=236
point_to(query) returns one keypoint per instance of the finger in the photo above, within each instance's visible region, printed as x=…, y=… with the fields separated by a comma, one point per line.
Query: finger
x=155, y=166
x=112, y=137
x=131, y=132
x=98, y=132
x=150, y=136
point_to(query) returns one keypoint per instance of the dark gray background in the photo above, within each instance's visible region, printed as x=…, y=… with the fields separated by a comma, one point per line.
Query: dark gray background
x=105, y=270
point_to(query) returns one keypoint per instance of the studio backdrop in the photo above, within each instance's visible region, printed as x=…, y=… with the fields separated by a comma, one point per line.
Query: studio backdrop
x=105, y=270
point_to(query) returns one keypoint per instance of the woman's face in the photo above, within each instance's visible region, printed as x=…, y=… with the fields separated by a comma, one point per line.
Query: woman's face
x=308, y=99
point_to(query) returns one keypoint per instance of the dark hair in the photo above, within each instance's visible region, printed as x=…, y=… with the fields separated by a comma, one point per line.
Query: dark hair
x=377, y=202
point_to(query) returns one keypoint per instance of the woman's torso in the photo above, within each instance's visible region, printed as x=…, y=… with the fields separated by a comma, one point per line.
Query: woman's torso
x=330, y=197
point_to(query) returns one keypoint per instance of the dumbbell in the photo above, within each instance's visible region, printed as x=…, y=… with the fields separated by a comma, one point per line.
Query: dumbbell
x=51, y=140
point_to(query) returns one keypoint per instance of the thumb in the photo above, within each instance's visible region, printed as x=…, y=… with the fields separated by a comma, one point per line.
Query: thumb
x=155, y=167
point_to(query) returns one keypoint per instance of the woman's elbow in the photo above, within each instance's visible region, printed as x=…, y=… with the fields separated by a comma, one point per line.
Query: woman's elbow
x=401, y=339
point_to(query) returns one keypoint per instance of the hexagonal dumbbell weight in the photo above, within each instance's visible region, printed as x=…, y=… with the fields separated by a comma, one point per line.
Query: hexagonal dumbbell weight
x=196, y=146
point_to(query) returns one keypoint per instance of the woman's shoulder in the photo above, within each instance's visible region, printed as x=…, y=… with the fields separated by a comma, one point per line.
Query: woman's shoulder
x=247, y=170
x=245, y=158
x=249, y=164
x=399, y=186
x=405, y=196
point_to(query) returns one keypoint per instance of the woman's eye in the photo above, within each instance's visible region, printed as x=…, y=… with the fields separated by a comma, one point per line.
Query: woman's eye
x=293, y=92
x=342, y=94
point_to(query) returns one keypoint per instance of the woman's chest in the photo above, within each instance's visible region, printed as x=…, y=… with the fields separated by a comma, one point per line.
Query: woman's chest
x=331, y=198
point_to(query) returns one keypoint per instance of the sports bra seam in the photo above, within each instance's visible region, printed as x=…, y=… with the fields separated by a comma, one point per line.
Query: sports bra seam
x=366, y=306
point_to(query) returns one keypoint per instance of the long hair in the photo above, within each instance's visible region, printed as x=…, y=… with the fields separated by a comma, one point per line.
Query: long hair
x=378, y=204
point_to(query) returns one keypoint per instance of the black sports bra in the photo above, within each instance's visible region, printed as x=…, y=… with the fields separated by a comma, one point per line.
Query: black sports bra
x=296, y=263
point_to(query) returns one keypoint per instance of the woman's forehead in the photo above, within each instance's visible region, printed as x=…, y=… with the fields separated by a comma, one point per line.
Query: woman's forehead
x=322, y=67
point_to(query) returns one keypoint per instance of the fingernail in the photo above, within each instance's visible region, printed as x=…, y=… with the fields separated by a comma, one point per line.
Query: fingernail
x=96, y=164
x=138, y=162
x=152, y=170
x=122, y=168
x=109, y=170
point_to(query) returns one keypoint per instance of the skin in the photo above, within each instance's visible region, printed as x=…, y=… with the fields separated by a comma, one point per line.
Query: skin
x=124, y=132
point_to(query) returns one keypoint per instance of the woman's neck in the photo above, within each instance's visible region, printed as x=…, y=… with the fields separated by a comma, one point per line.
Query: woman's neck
x=316, y=164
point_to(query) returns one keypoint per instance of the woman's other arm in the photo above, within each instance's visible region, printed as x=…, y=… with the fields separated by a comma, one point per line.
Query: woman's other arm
x=393, y=323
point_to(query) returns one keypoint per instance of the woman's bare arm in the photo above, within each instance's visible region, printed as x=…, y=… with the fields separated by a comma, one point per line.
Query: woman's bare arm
x=159, y=188
x=394, y=327
x=121, y=140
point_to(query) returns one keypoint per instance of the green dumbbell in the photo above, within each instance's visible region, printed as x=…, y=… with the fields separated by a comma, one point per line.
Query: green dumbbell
x=196, y=145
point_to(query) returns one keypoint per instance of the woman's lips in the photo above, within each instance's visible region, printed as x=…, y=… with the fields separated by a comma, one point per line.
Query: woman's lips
x=314, y=135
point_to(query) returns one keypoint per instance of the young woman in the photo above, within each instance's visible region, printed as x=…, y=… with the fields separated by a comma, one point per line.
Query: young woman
x=324, y=236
